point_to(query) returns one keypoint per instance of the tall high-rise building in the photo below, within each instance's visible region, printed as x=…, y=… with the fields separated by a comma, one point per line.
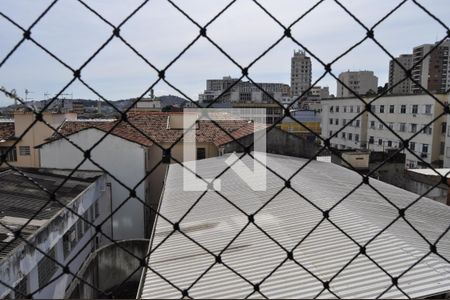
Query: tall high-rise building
x=300, y=73
x=433, y=71
x=360, y=82
x=397, y=75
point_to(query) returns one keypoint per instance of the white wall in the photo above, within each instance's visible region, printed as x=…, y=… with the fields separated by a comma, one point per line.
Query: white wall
x=123, y=159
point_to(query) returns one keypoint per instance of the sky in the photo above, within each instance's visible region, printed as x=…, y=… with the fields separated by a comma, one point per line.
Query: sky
x=160, y=32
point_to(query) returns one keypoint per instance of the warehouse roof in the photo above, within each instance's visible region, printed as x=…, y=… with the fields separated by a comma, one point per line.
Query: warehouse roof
x=288, y=218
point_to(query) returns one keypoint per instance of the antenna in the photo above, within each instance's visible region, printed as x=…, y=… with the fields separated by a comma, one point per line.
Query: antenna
x=27, y=92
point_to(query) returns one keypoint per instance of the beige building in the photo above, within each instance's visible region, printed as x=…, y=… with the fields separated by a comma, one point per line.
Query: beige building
x=300, y=73
x=406, y=115
x=24, y=153
x=401, y=86
x=360, y=82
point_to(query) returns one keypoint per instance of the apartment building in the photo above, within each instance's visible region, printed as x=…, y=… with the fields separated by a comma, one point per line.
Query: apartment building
x=300, y=73
x=339, y=112
x=401, y=86
x=433, y=69
x=405, y=115
x=319, y=92
x=234, y=90
x=360, y=82
x=55, y=230
x=24, y=154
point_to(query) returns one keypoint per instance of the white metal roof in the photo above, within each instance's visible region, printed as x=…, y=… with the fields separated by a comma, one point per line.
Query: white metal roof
x=288, y=218
x=431, y=172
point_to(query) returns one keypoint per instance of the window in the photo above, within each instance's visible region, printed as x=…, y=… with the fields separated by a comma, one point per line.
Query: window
x=389, y=143
x=358, y=108
x=24, y=150
x=380, y=126
x=391, y=125
x=336, y=121
x=331, y=121
x=350, y=136
x=371, y=140
x=412, y=146
x=351, y=108
x=345, y=108
x=47, y=267
x=425, y=148
x=12, y=154
x=381, y=109
x=331, y=109
x=413, y=128
x=415, y=109
x=343, y=135
x=428, y=109
x=402, y=127
x=201, y=153
x=337, y=108
x=380, y=142
x=356, y=137
x=426, y=129
x=357, y=123
x=403, y=109
x=331, y=133
x=372, y=124
x=391, y=109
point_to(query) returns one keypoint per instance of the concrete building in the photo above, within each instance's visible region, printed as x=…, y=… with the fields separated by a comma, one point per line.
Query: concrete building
x=264, y=113
x=243, y=91
x=301, y=73
x=336, y=113
x=288, y=219
x=136, y=158
x=396, y=75
x=433, y=72
x=318, y=92
x=360, y=82
x=66, y=238
x=24, y=154
x=406, y=115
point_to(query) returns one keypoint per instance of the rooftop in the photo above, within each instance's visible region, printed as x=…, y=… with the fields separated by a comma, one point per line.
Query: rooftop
x=288, y=218
x=156, y=125
x=22, y=197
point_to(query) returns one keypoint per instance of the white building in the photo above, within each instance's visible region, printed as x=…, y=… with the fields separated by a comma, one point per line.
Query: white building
x=396, y=75
x=123, y=158
x=336, y=113
x=360, y=82
x=300, y=73
x=232, y=90
x=57, y=231
x=405, y=115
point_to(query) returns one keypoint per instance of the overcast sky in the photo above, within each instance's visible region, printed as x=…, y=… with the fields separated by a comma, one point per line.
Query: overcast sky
x=160, y=32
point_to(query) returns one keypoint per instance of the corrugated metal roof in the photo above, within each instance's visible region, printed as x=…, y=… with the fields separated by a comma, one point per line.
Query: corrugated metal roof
x=213, y=222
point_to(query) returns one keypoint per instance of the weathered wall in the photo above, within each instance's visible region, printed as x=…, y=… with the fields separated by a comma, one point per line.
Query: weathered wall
x=108, y=268
x=279, y=142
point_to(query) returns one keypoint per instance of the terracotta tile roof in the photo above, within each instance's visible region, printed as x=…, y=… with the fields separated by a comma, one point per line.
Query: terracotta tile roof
x=7, y=130
x=155, y=126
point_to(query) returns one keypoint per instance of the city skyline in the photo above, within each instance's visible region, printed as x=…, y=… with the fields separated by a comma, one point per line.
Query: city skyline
x=117, y=73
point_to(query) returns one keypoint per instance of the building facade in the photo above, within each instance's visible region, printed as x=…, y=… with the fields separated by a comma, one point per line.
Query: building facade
x=406, y=115
x=433, y=69
x=23, y=153
x=338, y=112
x=360, y=82
x=397, y=81
x=57, y=231
x=234, y=90
x=300, y=73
